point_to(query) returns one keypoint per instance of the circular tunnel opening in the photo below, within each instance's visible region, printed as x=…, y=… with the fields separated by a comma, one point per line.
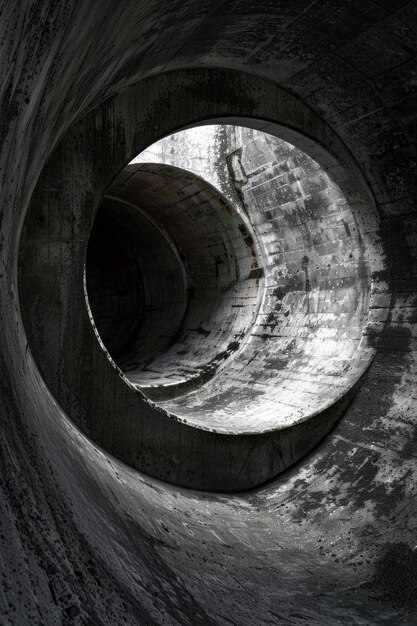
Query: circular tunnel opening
x=241, y=403
x=172, y=279
x=227, y=278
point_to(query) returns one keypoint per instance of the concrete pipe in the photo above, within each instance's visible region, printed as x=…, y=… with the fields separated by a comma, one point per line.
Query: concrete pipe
x=98, y=521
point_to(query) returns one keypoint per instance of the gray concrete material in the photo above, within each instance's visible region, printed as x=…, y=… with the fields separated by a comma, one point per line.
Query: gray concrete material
x=240, y=419
x=308, y=344
x=218, y=257
x=85, y=539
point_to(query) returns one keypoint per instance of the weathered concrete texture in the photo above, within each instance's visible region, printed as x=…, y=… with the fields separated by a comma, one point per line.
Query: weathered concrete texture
x=319, y=252
x=242, y=418
x=217, y=258
x=85, y=539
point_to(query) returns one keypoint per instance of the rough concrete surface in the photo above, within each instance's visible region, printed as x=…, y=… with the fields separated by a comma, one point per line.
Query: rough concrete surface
x=87, y=539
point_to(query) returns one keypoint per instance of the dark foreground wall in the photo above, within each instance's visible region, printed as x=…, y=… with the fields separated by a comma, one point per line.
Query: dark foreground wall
x=84, y=538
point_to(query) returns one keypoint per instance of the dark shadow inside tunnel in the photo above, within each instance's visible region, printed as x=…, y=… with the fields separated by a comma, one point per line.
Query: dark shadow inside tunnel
x=136, y=285
x=175, y=295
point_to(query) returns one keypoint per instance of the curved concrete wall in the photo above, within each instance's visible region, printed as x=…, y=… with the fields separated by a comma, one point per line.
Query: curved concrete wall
x=84, y=538
x=236, y=432
x=221, y=271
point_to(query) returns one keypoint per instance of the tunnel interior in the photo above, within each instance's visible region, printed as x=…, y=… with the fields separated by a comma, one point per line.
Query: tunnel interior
x=278, y=490
x=200, y=295
x=239, y=316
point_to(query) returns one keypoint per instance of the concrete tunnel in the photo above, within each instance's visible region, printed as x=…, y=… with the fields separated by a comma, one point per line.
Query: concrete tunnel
x=208, y=397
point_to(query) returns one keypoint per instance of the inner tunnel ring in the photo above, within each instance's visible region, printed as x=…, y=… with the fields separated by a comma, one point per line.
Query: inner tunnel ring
x=146, y=433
